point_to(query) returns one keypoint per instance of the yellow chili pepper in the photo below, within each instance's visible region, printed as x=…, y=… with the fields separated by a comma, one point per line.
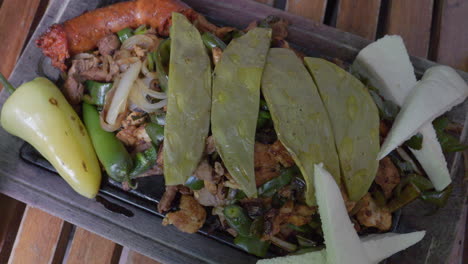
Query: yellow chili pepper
x=38, y=113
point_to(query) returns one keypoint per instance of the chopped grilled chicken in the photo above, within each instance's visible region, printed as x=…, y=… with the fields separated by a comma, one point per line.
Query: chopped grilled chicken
x=281, y=154
x=133, y=119
x=388, y=176
x=167, y=198
x=370, y=215
x=189, y=218
x=266, y=167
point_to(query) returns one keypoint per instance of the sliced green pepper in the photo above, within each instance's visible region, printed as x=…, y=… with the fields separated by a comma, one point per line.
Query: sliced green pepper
x=125, y=34
x=155, y=132
x=263, y=118
x=189, y=102
x=211, y=41
x=272, y=186
x=252, y=245
x=140, y=30
x=144, y=161
x=111, y=152
x=97, y=92
x=150, y=61
x=238, y=219
x=299, y=116
x=448, y=142
x=163, y=54
x=236, y=98
x=194, y=183
x=437, y=198
x=409, y=194
x=415, y=142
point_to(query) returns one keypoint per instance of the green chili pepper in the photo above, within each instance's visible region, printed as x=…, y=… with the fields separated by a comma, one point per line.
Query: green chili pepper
x=194, y=183
x=150, y=60
x=211, y=41
x=415, y=142
x=140, y=30
x=238, y=219
x=97, y=92
x=7, y=84
x=263, y=118
x=155, y=132
x=144, y=161
x=448, y=142
x=409, y=194
x=437, y=198
x=162, y=61
x=269, y=188
x=124, y=34
x=111, y=152
x=252, y=245
x=423, y=183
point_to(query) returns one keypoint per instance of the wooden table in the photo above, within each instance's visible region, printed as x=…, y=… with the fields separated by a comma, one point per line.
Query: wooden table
x=434, y=29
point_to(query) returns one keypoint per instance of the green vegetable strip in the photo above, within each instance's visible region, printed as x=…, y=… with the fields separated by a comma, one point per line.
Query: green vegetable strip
x=194, y=183
x=236, y=99
x=237, y=219
x=161, y=58
x=125, y=34
x=299, y=116
x=144, y=161
x=355, y=122
x=97, y=92
x=6, y=84
x=189, y=102
x=211, y=41
x=111, y=152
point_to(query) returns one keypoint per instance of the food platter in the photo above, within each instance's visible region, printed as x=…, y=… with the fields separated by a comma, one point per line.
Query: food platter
x=143, y=230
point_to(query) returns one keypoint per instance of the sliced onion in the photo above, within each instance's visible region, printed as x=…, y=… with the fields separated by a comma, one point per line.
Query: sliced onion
x=146, y=72
x=122, y=91
x=142, y=41
x=125, y=63
x=145, y=90
x=83, y=55
x=138, y=98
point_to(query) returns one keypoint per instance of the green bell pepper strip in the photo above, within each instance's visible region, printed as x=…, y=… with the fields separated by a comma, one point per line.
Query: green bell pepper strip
x=140, y=30
x=155, y=132
x=97, y=92
x=6, y=84
x=144, y=161
x=194, y=183
x=159, y=119
x=355, y=122
x=299, y=116
x=211, y=41
x=238, y=219
x=189, y=102
x=263, y=118
x=162, y=57
x=415, y=142
x=125, y=34
x=253, y=245
x=437, y=198
x=421, y=182
x=111, y=152
x=272, y=186
x=38, y=113
x=236, y=99
x=409, y=194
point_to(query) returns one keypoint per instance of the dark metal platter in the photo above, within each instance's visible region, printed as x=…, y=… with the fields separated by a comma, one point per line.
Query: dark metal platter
x=130, y=218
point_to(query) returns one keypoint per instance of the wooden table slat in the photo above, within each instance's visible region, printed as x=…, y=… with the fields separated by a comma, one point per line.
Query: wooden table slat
x=450, y=40
x=412, y=20
x=12, y=212
x=313, y=9
x=359, y=17
x=90, y=248
x=15, y=21
x=133, y=257
x=267, y=2
x=38, y=238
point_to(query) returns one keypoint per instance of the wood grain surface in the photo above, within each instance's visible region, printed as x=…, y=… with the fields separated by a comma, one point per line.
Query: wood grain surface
x=90, y=248
x=38, y=238
x=313, y=9
x=359, y=17
x=133, y=257
x=10, y=219
x=450, y=34
x=412, y=20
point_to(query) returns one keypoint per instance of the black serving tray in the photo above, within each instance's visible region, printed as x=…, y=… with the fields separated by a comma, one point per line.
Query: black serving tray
x=131, y=219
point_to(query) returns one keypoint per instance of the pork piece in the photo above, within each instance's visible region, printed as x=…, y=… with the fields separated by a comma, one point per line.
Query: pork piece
x=189, y=218
x=388, y=176
x=204, y=171
x=281, y=154
x=167, y=198
x=206, y=198
x=370, y=215
x=108, y=44
x=210, y=147
x=266, y=167
x=133, y=136
x=104, y=73
x=73, y=88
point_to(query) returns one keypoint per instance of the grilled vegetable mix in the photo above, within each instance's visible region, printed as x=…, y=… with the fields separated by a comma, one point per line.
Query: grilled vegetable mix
x=281, y=149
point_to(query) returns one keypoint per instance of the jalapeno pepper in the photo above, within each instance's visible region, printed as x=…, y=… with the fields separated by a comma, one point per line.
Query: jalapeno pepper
x=238, y=219
x=144, y=161
x=97, y=92
x=162, y=61
x=111, y=152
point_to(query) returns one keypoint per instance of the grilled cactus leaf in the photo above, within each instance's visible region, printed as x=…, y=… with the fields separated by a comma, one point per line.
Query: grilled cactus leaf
x=189, y=102
x=355, y=121
x=236, y=99
x=299, y=116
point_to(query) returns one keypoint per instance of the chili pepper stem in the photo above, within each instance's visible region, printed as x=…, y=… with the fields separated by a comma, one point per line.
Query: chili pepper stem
x=6, y=84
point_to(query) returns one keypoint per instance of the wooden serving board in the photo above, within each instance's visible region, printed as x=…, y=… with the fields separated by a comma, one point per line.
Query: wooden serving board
x=141, y=230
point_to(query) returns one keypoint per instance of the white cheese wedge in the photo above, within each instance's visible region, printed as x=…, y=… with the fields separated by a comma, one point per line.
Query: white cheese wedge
x=377, y=247
x=341, y=240
x=386, y=65
x=440, y=89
